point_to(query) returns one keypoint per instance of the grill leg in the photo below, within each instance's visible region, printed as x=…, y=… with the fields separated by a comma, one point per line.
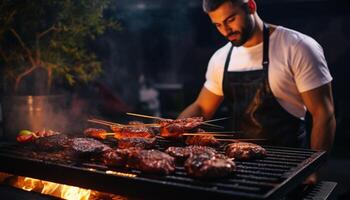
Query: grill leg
x=321, y=191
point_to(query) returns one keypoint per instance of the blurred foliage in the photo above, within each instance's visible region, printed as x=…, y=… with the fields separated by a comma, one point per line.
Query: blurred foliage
x=52, y=35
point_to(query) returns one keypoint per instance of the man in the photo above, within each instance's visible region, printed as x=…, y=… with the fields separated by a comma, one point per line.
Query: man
x=271, y=75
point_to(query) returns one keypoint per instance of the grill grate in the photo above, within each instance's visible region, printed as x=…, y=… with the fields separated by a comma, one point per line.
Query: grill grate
x=269, y=178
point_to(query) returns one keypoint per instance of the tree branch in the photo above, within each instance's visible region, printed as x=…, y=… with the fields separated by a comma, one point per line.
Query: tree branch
x=23, y=74
x=52, y=28
x=29, y=53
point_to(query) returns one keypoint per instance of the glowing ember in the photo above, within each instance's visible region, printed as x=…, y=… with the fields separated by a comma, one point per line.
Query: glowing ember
x=58, y=190
x=53, y=189
x=120, y=173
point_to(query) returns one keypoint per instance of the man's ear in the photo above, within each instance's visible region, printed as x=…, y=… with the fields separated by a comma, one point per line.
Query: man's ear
x=251, y=6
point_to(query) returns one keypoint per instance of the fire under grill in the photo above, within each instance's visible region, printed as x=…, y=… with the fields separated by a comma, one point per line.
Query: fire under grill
x=272, y=177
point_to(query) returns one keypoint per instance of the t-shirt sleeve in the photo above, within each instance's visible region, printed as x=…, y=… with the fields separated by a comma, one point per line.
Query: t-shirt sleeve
x=309, y=65
x=213, y=79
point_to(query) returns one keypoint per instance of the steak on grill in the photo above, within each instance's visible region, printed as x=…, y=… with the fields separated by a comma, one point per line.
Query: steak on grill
x=52, y=142
x=151, y=161
x=114, y=157
x=245, y=151
x=208, y=166
x=182, y=153
x=143, y=143
x=88, y=146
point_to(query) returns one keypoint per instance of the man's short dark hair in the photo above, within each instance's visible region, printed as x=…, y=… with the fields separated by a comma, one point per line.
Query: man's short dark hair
x=211, y=5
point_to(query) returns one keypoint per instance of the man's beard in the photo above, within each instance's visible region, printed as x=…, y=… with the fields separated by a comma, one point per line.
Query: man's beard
x=245, y=33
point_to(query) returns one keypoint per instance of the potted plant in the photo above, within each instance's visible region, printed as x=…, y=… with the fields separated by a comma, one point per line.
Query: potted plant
x=43, y=45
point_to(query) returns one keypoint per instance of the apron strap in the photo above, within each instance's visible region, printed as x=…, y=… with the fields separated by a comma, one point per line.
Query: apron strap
x=266, y=61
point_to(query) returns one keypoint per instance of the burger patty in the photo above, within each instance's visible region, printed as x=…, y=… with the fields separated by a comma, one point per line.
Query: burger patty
x=142, y=143
x=208, y=166
x=88, y=146
x=182, y=153
x=245, y=151
x=52, y=142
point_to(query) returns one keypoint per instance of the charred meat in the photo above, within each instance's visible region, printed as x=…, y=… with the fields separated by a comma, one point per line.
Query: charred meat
x=151, y=161
x=130, y=132
x=182, y=153
x=202, y=140
x=209, y=166
x=143, y=143
x=97, y=133
x=245, y=151
x=53, y=142
x=88, y=146
x=114, y=157
x=174, y=128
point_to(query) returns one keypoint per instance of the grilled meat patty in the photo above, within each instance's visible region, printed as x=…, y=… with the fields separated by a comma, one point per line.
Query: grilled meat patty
x=53, y=142
x=202, y=140
x=151, y=161
x=143, y=143
x=88, y=146
x=245, y=151
x=182, y=153
x=114, y=157
x=208, y=166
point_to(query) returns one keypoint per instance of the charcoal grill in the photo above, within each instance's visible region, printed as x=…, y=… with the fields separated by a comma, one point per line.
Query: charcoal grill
x=270, y=178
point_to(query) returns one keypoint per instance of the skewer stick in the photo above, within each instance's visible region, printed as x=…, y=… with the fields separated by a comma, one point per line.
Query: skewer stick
x=104, y=122
x=212, y=125
x=206, y=134
x=145, y=116
x=107, y=123
x=219, y=119
x=99, y=122
x=160, y=118
x=240, y=139
x=108, y=134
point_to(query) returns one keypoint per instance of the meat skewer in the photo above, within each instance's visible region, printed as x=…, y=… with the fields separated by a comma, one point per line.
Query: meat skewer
x=132, y=132
x=107, y=123
x=241, y=139
x=210, y=133
x=164, y=119
x=202, y=140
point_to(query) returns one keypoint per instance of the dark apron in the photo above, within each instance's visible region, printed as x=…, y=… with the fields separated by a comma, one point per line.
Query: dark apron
x=256, y=112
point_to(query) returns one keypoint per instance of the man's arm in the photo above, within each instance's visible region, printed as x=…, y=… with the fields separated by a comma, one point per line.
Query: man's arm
x=319, y=102
x=205, y=105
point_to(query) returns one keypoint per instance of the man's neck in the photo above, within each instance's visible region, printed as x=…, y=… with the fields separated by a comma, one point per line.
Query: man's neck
x=257, y=35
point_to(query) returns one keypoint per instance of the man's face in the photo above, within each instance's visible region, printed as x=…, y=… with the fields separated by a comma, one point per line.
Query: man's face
x=233, y=22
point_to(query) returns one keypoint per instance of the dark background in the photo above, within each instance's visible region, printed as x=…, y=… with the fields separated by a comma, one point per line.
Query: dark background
x=171, y=42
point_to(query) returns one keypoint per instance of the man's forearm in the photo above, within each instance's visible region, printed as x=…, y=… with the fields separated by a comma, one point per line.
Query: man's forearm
x=323, y=131
x=192, y=110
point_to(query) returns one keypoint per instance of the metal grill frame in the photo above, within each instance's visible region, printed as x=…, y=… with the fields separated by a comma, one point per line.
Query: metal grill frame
x=175, y=186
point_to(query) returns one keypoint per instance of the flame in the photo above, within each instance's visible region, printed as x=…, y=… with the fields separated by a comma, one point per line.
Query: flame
x=53, y=189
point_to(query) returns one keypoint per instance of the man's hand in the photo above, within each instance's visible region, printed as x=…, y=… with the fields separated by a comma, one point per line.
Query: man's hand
x=311, y=180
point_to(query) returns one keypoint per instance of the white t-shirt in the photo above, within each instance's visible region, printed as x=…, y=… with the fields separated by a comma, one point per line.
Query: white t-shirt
x=297, y=64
